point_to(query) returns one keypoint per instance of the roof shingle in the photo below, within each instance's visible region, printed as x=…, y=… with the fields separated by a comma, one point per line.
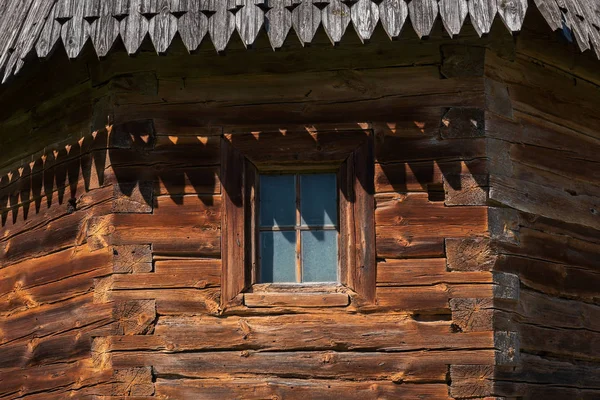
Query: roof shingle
x=28, y=25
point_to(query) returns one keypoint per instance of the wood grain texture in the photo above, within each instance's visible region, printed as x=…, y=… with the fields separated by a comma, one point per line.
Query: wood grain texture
x=393, y=14
x=422, y=15
x=453, y=14
x=512, y=13
x=134, y=27
x=278, y=21
x=482, y=14
x=365, y=17
x=261, y=388
x=335, y=19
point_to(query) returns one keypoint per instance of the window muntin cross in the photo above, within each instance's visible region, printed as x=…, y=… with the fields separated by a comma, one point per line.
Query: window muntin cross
x=299, y=229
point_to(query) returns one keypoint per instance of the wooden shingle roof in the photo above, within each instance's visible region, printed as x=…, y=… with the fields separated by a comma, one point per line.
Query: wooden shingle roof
x=38, y=26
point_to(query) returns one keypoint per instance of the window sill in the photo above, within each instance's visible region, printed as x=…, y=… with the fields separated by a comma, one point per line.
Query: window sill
x=307, y=299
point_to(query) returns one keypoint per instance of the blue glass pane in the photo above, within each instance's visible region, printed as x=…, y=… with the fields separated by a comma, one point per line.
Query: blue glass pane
x=277, y=200
x=318, y=199
x=319, y=256
x=278, y=257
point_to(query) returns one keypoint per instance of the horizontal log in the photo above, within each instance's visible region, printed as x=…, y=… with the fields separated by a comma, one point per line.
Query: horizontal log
x=560, y=162
x=392, y=108
x=61, y=379
x=53, y=319
x=258, y=300
x=575, y=108
x=543, y=310
x=399, y=149
x=392, y=242
x=202, y=147
x=35, y=226
x=175, y=300
x=36, y=193
x=432, y=298
x=192, y=234
x=323, y=331
x=66, y=232
x=555, y=279
x=578, y=345
x=556, y=247
x=545, y=201
x=81, y=160
x=51, y=268
x=284, y=148
x=332, y=86
x=410, y=225
x=407, y=367
x=550, y=371
x=188, y=180
x=417, y=176
x=511, y=389
x=538, y=132
x=193, y=278
x=415, y=209
x=266, y=388
x=72, y=345
x=424, y=272
x=207, y=206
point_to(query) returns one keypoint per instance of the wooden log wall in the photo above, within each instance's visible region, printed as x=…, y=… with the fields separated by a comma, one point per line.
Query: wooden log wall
x=110, y=272
x=544, y=145
x=48, y=273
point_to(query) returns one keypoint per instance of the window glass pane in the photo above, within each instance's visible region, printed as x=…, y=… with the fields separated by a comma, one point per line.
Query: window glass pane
x=318, y=199
x=319, y=256
x=278, y=256
x=277, y=200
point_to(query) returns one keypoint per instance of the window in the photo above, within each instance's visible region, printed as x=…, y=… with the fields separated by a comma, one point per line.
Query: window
x=297, y=217
x=298, y=226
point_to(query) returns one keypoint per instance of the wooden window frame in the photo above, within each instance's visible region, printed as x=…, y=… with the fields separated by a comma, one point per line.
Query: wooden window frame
x=351, y=154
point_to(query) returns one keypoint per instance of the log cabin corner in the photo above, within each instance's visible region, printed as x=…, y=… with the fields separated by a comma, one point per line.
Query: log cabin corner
x=286, y=199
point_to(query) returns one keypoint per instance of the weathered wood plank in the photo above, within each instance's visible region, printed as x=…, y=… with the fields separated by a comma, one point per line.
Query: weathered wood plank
x=47, y=238
x=53, y=319
x=322, y=331
x=188, y=180
x=399, y=149
x=199, y=205
x=278, y=149
x=51, y=268
x=192, y=235
x=406, y=367
x=61, y=379
x=261, y=388
x=173, y=300
x=545, y=370
x=424, y=272
x=434, y=298
x=393, y=16
x=419, y=176
x=195, y=276
x=258, y=300
x=555, y=279
x=543, y=310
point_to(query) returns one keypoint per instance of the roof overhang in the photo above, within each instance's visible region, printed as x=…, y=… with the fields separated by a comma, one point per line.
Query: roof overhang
x=36, y=26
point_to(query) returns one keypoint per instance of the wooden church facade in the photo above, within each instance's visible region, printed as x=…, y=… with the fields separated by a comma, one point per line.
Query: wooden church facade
x=469, y=208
